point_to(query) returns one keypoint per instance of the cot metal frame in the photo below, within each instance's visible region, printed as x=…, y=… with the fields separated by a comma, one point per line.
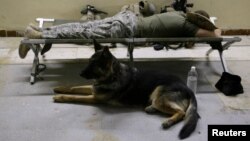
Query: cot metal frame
x=36, y=46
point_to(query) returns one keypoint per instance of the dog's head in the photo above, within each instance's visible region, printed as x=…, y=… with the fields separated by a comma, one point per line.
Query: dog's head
x=100, y=64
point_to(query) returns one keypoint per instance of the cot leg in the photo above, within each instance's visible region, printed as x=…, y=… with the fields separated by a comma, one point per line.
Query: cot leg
x=209, y=51
x=220, y=48
x=36, y=67
x=130, y=51
x=223, y=61
x=35, y=48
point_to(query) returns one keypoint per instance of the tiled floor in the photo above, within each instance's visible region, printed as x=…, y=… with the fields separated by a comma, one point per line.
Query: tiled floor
x=27, y=112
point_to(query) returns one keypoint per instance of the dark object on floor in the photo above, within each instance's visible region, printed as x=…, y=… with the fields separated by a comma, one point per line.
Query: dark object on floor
x=93, y=10
x=158, y=46
x=229, y=84
x=178, y=5
x=46, y=48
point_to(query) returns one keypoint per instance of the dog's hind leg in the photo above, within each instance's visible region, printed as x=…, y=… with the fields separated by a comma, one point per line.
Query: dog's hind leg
x=84, y=90
x=168, y=102
x=171, y=108
x=86, y=99
x=175, y=118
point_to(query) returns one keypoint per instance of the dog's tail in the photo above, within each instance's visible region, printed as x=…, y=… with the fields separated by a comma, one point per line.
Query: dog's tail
x=191, y=117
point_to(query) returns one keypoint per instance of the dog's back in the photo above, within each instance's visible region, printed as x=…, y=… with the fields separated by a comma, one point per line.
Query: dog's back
x=143, y=83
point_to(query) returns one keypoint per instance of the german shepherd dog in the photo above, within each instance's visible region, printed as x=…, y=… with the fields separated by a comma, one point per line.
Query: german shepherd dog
x=119, y=84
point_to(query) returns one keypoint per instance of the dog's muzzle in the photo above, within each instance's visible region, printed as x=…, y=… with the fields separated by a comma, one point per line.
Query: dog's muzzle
x=89, y=73
x=86, y=74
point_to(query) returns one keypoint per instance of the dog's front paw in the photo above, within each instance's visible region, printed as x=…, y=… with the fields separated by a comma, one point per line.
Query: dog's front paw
x=59, y=98
x=62, y=89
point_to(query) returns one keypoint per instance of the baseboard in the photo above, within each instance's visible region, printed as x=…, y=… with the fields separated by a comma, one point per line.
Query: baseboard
x=19, y=33
x=11, y=33
x=235, y=31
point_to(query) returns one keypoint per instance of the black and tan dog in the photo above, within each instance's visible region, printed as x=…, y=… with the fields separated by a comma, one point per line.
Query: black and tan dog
x=119, y=84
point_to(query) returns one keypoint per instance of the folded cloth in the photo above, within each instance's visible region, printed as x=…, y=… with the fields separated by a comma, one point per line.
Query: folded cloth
x=229, y=84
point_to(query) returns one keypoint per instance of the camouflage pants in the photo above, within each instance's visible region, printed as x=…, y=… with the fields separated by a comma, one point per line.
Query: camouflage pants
x=123, y=24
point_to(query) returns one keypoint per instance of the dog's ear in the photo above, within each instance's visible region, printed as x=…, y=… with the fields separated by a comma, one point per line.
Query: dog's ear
x=97, y=46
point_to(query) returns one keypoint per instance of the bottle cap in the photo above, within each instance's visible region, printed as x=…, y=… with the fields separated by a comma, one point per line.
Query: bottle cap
x=193, y=68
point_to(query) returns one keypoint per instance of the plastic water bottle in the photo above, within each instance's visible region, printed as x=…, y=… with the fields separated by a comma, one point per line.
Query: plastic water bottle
x=192, y=79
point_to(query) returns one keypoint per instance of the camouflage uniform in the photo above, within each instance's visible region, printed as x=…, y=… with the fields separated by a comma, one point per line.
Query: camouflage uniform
x=123, y=24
